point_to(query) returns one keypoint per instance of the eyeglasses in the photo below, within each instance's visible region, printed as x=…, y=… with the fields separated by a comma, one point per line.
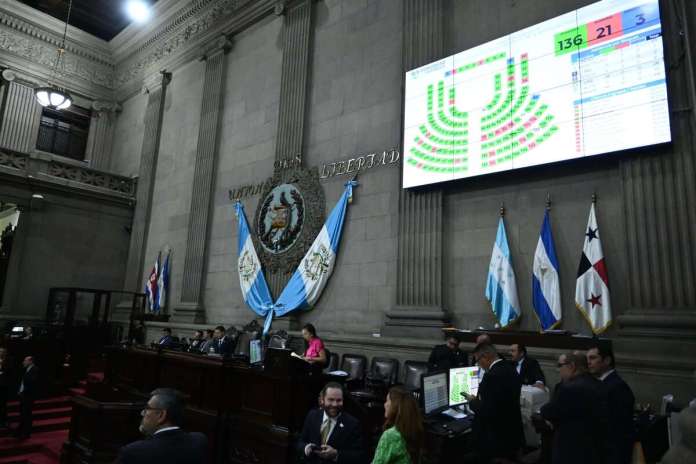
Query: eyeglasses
x=563, y=364
x=147, y=408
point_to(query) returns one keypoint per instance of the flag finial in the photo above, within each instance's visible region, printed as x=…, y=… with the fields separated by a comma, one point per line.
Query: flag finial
x=594, y=198
x=502, y=209
x=548, y=202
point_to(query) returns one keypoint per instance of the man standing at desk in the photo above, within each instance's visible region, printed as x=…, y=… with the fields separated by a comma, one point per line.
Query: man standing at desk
x=329, y=435
x=600, y=360
x=27, y=394
x=447, y=356
x=497, y=426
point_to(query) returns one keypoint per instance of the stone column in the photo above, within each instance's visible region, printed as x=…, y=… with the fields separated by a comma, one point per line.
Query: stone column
x=419, y=310
x=21, y=115
x=156, y=88
x=297, y=35
x=191, y=308
x=100, y=137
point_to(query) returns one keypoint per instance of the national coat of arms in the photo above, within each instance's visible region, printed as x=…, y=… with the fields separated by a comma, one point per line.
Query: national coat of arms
x=247, y=266
x=281, y=218
x=317, y=264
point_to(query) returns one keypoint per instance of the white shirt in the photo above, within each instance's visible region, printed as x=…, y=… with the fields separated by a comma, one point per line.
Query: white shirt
x=606, y=374
x=519, y=365
x=494, y=363
x=165, y=429
x=21, y=385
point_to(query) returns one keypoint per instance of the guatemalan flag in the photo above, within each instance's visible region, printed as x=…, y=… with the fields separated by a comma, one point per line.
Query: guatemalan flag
x=151, y=287
x=592, y=286
x=310, y=278
x=501, y=289
x=546, y=290
x=163, y=284
x=251, y=279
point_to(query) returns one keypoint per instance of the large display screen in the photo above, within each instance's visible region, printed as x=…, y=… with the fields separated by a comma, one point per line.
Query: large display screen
x=588, y=82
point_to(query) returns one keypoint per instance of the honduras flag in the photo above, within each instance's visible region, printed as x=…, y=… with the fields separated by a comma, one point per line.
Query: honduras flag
x=546, y=290
x=251, y=279
x=310, y=278
x=163, y=284
x=501, y=289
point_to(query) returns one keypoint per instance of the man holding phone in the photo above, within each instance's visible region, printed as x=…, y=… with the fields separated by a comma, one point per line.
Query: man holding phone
x=329, y=435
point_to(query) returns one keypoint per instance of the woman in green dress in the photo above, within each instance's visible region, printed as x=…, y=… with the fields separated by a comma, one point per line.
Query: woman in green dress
x=402, y=439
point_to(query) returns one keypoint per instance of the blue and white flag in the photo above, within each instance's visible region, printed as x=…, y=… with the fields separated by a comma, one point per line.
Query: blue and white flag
x=251, y=279
x=546, y=289
x=501, y=288
x=310, y=278
x=163, y=283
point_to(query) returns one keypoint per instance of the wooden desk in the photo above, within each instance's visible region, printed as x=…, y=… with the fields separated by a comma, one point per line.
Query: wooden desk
x=249, y=414
x=560, y=341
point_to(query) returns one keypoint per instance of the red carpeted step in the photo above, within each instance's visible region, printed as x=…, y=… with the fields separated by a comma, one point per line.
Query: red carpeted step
x=31, y=458
x=44, y=425
x=47, y=403
x=39, y=414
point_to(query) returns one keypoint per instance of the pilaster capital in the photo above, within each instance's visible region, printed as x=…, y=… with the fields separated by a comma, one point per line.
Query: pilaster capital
x=157, y=80
x=221, y=44
x=100, y=106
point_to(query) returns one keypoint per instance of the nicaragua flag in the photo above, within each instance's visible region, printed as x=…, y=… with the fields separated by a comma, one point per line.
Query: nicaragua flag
x=163, y=284
x=546, y=290
x=592, y=285
x=251, y=279
x=501, y=289
x=310, y=278
x=151, y=286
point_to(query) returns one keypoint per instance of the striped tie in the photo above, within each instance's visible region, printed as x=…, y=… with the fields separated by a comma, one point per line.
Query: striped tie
x=325, y=427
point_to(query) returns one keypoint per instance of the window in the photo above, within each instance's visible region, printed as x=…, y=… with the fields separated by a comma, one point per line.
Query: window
x=64, y=132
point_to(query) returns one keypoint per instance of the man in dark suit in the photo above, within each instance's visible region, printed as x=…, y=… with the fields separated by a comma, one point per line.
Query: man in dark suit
x=578, y=414
x=166, y=442
x=330, y=435
x=497, y=426
x=622, y=434
x=223, y=343
x=27, y=394
x=166, y=340
x=447, y=356
x=195, y=342
x=527, y=368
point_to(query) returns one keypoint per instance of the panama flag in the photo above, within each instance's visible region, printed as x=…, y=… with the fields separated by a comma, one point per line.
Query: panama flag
x=251, y=279
x=546, y=290
x=592, y=286
x=501, y=289
x=310, y=278
x=163, y=284
x=151, y=286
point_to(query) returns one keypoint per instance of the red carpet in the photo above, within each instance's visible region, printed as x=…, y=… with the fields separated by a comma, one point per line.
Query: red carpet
x=51, y=424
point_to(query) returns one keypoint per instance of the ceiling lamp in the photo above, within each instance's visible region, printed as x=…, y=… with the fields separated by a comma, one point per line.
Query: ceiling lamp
x=52, y=96
x=138, y=10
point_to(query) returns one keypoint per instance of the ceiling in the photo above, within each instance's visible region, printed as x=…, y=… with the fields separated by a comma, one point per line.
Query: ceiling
x=101, y=18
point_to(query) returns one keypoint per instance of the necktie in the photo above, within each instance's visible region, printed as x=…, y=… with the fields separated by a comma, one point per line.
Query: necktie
x=325, y=428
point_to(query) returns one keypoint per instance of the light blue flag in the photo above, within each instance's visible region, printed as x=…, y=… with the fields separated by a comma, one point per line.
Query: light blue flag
x=310, y=278
x=163, y=284
x=251, y=279
x=501, y=288
x=546, y=289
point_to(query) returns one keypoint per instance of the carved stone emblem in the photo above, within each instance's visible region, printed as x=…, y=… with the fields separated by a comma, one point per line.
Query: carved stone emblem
x=288, y=219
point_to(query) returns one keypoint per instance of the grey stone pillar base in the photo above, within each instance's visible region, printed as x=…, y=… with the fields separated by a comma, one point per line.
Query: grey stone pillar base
x=189, y=313
x=416, y=322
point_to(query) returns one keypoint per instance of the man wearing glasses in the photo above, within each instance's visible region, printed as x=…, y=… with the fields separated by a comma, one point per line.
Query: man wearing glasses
x=161, y=421
x=577, y=413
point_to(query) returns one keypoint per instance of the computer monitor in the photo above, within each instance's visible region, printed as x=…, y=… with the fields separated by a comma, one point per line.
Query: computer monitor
x=434, y=392
x=462, y=380
x=255, y=355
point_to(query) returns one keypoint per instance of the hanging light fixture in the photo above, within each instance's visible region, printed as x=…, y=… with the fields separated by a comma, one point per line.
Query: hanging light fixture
x=55, y=97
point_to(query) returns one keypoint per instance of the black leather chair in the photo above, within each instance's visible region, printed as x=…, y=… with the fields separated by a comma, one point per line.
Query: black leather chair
x=242, y=346
x=413, y=371
x=383, y=374
x=355, y=365
x=333, y=362
x=277, y=341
